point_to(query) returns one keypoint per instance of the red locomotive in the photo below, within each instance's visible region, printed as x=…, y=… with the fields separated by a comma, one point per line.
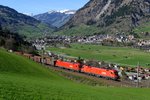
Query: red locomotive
x=75, y=66
x=68, y=65
x=100, y=72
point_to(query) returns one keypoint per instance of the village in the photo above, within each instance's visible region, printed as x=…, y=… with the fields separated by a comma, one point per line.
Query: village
x=104, y=39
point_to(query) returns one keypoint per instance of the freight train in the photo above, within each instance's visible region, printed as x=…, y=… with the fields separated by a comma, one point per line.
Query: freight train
x=74, y=66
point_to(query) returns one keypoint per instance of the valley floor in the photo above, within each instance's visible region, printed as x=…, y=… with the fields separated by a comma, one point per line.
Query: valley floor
x=121, y=55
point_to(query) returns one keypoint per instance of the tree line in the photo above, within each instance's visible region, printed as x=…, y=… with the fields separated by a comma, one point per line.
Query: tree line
x=14, y=41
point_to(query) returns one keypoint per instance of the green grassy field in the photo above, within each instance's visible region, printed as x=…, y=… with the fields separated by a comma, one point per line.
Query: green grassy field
x=120, y=55
x=81, y=30
x=32, y=31
x=22, y=79
x=143, y=28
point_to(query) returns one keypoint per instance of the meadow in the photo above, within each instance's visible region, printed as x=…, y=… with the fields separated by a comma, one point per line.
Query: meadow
x=120, y=55
x=143, y=29
x=23, y=79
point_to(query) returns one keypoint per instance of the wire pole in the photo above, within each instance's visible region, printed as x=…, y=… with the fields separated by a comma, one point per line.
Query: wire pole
x=148, y=83
x=138, y=74
x=42, y=55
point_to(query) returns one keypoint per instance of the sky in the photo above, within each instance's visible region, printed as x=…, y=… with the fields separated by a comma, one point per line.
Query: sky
x=41, y=6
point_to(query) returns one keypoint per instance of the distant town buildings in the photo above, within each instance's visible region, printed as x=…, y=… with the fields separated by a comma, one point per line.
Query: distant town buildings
x=103, y=39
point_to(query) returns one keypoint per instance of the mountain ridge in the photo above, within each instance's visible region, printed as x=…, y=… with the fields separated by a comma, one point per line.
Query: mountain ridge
x=17, y=22
x=111, y=16
x=56, y=18
x=65, y=11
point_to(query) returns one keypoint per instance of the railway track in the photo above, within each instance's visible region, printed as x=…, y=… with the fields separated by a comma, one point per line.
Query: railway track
x=70, y=74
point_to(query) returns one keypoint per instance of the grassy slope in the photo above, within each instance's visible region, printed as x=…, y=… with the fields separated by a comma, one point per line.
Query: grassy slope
x=22, y=79
x=81, y=30
x=124, y=56
x=143, y=28
x=34, y=31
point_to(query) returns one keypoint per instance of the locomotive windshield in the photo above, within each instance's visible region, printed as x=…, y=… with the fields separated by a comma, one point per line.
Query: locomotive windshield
x=116, y=73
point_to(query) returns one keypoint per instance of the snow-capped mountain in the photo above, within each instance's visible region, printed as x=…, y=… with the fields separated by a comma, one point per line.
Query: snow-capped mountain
x=65, y=11
x=56, y=18
x=28, y=14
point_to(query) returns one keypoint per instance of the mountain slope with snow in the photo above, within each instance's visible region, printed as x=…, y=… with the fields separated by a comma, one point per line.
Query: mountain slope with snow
x=55, y=18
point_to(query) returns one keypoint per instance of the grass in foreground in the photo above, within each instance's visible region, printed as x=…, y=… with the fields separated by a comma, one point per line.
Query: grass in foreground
x=120, y=55
x=22, y=79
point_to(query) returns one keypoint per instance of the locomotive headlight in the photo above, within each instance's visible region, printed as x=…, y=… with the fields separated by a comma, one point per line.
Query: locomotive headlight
x=71, y=66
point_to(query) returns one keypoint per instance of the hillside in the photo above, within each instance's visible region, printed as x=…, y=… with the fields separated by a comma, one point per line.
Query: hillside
x=144, y=29
x=55, y=18
x=13, y=41
x=22, y=79
x=109, y=16
x=16, y=22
